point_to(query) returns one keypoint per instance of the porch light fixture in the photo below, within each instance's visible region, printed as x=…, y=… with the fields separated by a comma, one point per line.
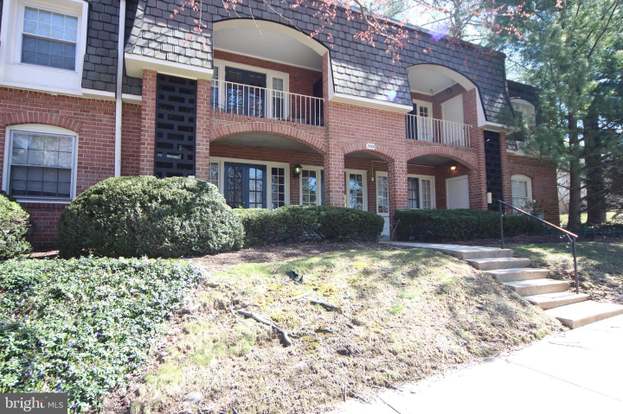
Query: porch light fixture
x=297, y=169
x=453, y=168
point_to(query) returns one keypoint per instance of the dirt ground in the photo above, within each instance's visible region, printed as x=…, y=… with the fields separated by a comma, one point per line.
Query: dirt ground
x=359, y=317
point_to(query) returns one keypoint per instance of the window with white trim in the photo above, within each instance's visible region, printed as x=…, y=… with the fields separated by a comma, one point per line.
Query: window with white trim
x=421, y=192
x=49, y=39
x=40, y=163
x=526, y=111
x=214, y=173
x=278, y=190
x=310, y=187
x=521, y=190
x=43, y=43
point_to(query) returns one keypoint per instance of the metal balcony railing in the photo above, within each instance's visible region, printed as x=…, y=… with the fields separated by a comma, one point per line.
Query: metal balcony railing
x=255, y=101
x=438, y=131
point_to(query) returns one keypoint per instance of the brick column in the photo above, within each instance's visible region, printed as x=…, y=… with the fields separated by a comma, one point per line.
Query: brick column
x=334, y=174
x=398, y=197
x=203, y=130
x=478, y=175
x=147, y=145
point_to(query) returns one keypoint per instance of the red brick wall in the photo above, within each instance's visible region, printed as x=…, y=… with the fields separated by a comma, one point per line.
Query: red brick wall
x=301, y=80
x=148, y=124
x=94, y=123
x=544, y=184
x=131, y=138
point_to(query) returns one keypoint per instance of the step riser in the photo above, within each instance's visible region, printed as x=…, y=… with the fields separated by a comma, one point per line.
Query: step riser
x=501, y=265
x=573, y=324
x=557, y=303
x=483, y=255
x=521, y=275
x=540, y=290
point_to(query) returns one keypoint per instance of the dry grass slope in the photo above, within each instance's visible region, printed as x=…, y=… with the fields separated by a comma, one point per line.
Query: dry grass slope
x=402, y=315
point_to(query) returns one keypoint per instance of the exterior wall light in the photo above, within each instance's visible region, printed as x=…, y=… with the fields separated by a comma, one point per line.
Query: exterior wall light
x=297, y=169
x=453, y=168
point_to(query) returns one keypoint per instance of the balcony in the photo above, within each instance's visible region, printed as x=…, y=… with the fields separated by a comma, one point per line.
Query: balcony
x=438, y=131
x=254, y=101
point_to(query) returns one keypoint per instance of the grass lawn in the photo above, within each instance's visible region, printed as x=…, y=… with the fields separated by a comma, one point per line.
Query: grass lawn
x=600, y=265
x=401, y=315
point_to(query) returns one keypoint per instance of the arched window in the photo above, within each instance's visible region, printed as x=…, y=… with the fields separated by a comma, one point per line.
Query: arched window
x=40, y=163
x=521, y=189
x=526, y=110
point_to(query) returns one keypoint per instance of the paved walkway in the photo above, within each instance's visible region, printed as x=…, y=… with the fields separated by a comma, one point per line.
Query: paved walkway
x=579, y=371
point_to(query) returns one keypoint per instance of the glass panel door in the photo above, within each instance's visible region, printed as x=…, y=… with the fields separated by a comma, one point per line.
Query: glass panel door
x=355, y=191
x=382, y=200
x=245, y=185
x=245, y=93
x=278, y=101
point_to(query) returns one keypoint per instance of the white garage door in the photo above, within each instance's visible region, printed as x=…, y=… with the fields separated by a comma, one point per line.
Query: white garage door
x=457, y=192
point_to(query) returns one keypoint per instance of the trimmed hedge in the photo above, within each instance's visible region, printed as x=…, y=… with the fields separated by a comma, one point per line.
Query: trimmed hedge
x=81, y=326
x=299, y=224
x=147, y=216
x=460, y=225
x=14, y=224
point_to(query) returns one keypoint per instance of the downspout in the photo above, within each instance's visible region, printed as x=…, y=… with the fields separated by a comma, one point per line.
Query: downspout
x=119, y=91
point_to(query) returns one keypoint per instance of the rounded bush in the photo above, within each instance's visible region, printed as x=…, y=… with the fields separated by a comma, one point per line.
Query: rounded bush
x=14, y=224
x=299, y=224
x=147, y=216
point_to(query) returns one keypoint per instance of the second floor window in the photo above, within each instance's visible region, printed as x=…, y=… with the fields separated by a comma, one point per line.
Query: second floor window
x=49, y=39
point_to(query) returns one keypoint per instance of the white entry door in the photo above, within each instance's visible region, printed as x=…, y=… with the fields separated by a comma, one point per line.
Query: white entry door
x=457, y=192
x=382, y=200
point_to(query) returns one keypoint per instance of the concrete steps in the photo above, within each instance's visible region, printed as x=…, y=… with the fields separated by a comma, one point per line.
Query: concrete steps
x=533, y=287
x=497, y=263
x=583, y=313
x=554, y=300
x=521, y=273
x=551, y=295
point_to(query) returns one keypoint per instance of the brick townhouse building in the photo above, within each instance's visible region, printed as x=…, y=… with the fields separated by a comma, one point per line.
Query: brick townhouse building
x=273, y=117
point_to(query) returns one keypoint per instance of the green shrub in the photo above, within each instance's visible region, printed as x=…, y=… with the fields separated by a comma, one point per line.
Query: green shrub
x=146, y=216
x=82, y=325
x=298, y=224
x=460, y=225
x=14, y=224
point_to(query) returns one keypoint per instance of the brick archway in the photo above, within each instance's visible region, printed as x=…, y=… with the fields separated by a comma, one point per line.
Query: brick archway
x=466, y=157
x=300, y=135
x=44, y=118
x=389, y=156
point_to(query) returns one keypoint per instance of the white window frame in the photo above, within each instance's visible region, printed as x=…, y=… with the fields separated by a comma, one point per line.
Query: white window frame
x=431, y=178
x=527, y=110
x=364, y=174
x=39, y=129
x=426, y=104
x=269, y=177
x=14, y=73
x=318, y=171
x=270, y=74
x=382, y=174
x=523, y=179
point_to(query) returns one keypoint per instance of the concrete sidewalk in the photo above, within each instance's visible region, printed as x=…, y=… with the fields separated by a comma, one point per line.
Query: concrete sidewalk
x=579, y=371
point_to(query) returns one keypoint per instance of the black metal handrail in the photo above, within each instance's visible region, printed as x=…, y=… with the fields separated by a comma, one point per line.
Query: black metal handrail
x=572, y=237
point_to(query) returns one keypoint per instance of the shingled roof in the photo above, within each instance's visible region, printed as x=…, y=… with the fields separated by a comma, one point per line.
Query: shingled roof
x=359, y=70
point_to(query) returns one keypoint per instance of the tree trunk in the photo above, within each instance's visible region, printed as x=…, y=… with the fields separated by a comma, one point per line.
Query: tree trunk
x=575, y=181
x=595, y=172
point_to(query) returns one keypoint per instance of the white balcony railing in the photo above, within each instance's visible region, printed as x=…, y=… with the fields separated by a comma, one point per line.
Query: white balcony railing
x=255, y=101
x=438, y=131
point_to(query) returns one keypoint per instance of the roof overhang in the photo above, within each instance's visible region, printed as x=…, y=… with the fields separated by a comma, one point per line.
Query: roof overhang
x=136, y=64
